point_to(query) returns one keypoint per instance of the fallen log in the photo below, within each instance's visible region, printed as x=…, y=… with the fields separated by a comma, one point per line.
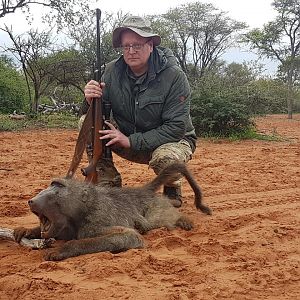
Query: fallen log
x=8, y=234
x=17, y=117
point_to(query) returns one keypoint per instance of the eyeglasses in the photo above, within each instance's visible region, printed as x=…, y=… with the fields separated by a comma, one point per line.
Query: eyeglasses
x=135, y=47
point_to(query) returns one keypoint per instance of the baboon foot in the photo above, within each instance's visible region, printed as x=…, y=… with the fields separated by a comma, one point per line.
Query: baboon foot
x=184, y=223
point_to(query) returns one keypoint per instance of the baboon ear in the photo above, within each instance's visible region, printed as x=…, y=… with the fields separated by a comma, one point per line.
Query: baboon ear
x=58, y=183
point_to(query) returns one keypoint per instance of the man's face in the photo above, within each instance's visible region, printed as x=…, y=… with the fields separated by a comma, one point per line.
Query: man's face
x=136, y=57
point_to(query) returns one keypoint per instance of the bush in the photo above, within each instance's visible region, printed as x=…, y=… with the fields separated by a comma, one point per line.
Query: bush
x=264, y=96
x=218, y=116
x=13, y=91
x=225, y=99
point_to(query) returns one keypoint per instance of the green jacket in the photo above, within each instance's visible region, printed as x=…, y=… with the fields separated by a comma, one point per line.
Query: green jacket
x=153, y=110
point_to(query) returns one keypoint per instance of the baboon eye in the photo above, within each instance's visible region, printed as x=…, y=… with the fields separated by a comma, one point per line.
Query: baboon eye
x=57, y=184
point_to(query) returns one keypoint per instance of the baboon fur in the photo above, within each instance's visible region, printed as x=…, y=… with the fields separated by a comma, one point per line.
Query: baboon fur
x=93, y=218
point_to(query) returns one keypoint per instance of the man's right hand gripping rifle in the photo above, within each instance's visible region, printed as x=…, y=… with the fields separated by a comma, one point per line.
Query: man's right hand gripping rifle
x=115, y=137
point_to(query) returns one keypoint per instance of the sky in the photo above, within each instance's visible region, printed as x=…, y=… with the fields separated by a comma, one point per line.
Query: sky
x=254, y=13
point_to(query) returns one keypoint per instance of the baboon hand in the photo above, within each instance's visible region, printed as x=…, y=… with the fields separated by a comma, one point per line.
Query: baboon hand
x=54, y=254
x=21, y=232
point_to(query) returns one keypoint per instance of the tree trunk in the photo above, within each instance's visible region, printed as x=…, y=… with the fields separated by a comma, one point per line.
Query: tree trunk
x=290, y=94
x=35, y=102
x=290, y=107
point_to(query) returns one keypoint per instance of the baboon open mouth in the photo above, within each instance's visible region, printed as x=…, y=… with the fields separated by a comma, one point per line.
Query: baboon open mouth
x=45, y=224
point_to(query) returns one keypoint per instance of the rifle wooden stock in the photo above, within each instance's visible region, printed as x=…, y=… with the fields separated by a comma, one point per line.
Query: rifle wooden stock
x=90, y=172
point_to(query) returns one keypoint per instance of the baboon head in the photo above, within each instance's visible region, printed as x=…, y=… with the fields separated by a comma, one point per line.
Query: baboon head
x=53, y=207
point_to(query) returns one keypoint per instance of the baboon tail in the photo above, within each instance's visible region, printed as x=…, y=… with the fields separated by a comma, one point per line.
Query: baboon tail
x=172, y=173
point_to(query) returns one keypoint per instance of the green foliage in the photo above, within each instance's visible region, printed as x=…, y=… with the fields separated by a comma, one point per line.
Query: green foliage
x=251, y=134
x=61, y=12
x=66, y=68
x=216, y=115
x=224, y=101
x=67, y=72
x=265, y=96
x=280, y=40
x=13, y=90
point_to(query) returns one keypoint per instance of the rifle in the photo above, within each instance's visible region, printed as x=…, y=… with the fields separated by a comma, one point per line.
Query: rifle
x=93, y=122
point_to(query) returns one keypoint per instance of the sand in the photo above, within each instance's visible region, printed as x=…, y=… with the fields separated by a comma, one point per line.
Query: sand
x=248, y=249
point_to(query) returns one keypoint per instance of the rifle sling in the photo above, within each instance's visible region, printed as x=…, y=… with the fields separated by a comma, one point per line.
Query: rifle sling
x=81, y=143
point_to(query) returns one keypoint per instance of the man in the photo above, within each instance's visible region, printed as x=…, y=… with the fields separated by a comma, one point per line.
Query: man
x=150, y=99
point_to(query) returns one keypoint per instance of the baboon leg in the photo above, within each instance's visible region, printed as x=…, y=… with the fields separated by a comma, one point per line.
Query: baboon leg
x=117, y=240
x=142, y=225
x=162, y=214
x=170, y=223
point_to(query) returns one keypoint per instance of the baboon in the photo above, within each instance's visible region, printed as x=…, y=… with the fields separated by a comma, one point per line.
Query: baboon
x=93, y=218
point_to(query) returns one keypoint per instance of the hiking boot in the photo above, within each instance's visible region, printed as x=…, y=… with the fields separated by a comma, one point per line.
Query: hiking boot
x=107, y=173
x=174, y=194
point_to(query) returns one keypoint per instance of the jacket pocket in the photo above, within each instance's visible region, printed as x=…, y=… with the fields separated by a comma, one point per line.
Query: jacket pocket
x=150, y=100
x=149, y=112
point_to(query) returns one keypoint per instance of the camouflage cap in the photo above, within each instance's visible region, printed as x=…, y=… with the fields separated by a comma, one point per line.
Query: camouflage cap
x=137, y=24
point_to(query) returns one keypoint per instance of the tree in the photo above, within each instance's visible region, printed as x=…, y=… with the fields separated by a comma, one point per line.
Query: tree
x=280, y=40
x=48, y=68
x=85, y=40
x=62, y=9
x=198, y=34
x=67, y=71
x=30, y=49
x=294, y=66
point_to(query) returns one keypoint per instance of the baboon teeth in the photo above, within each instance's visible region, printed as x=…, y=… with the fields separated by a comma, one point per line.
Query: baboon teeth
x=45, y=224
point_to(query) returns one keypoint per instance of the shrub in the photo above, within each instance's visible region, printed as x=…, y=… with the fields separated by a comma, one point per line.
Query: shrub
x=13, y=91
x=218, y=116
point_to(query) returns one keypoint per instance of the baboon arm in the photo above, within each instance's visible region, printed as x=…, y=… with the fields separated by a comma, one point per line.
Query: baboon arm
x=116, y=241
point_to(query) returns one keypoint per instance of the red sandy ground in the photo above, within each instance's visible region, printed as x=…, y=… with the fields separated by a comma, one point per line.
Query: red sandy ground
x=248, y=248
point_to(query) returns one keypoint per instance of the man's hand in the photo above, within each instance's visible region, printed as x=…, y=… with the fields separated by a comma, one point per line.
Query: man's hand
x=93, y=89
x=116, y=137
